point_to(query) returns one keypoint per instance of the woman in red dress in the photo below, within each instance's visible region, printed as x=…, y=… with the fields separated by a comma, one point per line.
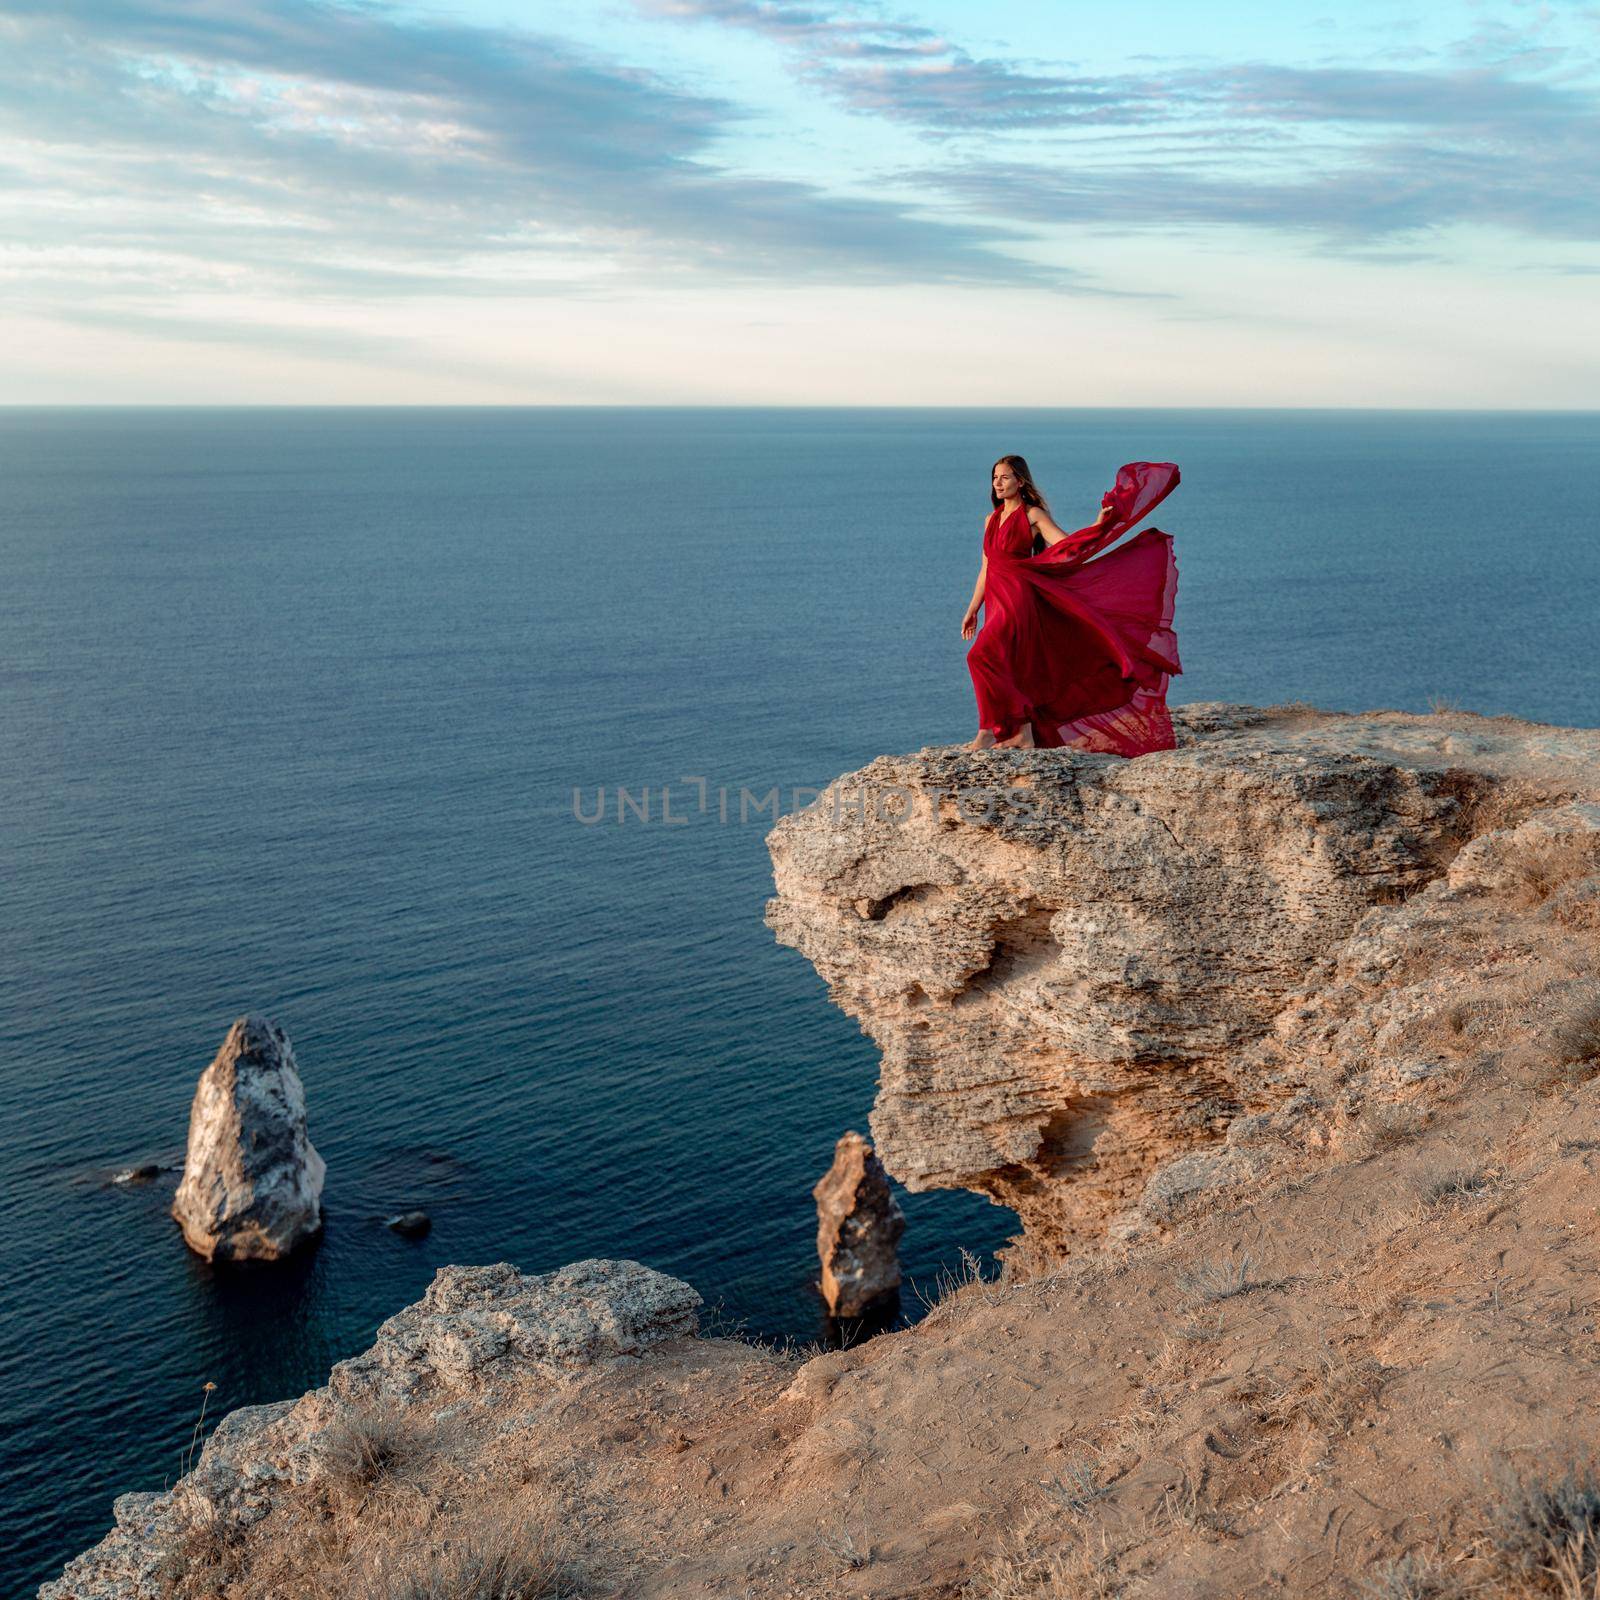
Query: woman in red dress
x=1073, y=651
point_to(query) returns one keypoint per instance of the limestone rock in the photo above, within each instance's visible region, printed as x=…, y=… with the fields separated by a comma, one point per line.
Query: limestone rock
x=859, y=1224
x=252, y=1182
x=480, y=1323
x=1079, y=968
x=474, y=1337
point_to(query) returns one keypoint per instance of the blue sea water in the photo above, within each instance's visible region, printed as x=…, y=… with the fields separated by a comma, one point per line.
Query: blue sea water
x=293, y=706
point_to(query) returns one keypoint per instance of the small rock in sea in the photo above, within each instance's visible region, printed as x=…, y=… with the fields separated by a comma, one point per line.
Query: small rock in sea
x=411, y=1224
x=252, y=1183
x=859, y=1224
x=143, y=1173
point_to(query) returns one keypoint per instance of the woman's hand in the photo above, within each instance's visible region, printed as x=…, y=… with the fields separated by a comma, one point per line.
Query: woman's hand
x=969, y=622
x=1107, y=514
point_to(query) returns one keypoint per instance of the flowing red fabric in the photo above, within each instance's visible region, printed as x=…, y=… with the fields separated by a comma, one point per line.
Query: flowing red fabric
x=1081, y=649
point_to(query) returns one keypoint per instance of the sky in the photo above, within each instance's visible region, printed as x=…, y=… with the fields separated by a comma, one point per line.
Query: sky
x=795, y=202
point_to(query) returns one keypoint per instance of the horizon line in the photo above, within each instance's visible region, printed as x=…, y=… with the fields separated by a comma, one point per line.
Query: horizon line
x=645, y=405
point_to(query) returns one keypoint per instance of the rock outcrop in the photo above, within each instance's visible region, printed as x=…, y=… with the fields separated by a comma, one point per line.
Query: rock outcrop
x=252, y=1182
x=1302, y=1018
x=477, y=1338
x=859, y=1226
x=1083, y=972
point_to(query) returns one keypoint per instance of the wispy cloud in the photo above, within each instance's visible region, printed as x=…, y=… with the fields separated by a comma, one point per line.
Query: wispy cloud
x=910, y=73
x=1368, y=156
x=1505, y=131
x=304, y=147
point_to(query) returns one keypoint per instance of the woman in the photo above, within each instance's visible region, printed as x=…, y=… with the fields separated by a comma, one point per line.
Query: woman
x=1074, y=652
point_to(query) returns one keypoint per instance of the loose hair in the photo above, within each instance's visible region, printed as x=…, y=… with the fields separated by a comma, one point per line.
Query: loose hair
x=1029, y=489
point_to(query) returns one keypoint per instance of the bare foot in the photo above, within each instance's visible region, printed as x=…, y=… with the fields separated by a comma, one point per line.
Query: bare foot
x=1022, y=739
x=984, y=740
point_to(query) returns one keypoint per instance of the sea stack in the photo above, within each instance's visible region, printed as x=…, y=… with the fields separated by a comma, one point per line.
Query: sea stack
x=859, y=1224
x=252, y=1183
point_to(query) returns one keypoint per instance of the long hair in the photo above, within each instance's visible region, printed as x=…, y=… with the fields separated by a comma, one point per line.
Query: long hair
x=1030, y=490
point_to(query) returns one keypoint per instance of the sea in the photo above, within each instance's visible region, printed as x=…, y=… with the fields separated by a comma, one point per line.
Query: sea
x=328, y=715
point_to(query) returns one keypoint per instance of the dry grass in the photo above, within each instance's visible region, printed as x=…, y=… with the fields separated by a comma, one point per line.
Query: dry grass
x=1541, y=868
x=1183, y=1506
x=1455, y=1186
x=1388, y=1126
x=1416, y=1576
x=1039, y=1561
x=1076, y=1487
x=500, y=1555
x=1192, y=1331
x=1221, y=1279
x=843, y=1548
x=1544, y=1531
x=1574, y=1034
x=206, y=1560
x=370, y=1449
x=1564, y=1051
x=952, y=1285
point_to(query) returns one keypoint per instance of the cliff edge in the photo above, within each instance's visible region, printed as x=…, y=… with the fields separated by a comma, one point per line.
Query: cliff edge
x=1099, y=985
x=1284, y=1047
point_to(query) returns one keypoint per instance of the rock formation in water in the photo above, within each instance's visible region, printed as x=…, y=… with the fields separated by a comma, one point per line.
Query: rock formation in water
x=252, y=1182
x=1080, y=969
x=859, y=1225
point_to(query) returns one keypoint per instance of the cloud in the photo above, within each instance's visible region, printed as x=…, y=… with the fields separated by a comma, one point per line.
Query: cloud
x=300, y=147
x=1504, y=130
x=1390, y=155
x=909, y=73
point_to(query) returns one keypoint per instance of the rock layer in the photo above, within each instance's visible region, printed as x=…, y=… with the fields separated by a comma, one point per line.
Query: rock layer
x=252, y=1182
x=1081, y=970
x=479, y=1336
x=859, y=1226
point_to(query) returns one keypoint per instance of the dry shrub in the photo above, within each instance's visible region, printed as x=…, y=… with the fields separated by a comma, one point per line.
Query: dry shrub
x=1456, y=1185
x=1574, y=1035
x=1566, y=1050
x=207, y=1558
x=1416, y=1576
x=1544, y=1531
x=1386, y=1127
x=952, y=1285
x=1576, y=904
x=1037, y=1561
x=1329, y=1394
x=366, y=1449
x=499, y=1554
x=1544, y=866
x=1210, y=1281
x=1076, y=1487
x=1184, y=1506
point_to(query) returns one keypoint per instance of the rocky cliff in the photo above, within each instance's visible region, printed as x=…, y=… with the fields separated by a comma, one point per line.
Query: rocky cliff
x=1097, y=983
x=1285, y=1047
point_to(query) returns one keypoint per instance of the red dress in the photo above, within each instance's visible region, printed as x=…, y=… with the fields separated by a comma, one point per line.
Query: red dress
x=1081, y=649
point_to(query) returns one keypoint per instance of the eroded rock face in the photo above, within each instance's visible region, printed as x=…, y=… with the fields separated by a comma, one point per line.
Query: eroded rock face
x=479, y=1336
x=859, y=1225
x=252, y=1182
x=478, y=1322
x=1082, y=970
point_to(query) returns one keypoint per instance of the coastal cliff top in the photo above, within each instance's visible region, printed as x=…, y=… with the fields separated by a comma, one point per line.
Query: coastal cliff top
x=1284, y=1049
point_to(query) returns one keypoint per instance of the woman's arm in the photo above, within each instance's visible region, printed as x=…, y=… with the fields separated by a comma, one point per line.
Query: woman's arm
x=1051, y=534
x=969, y=621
